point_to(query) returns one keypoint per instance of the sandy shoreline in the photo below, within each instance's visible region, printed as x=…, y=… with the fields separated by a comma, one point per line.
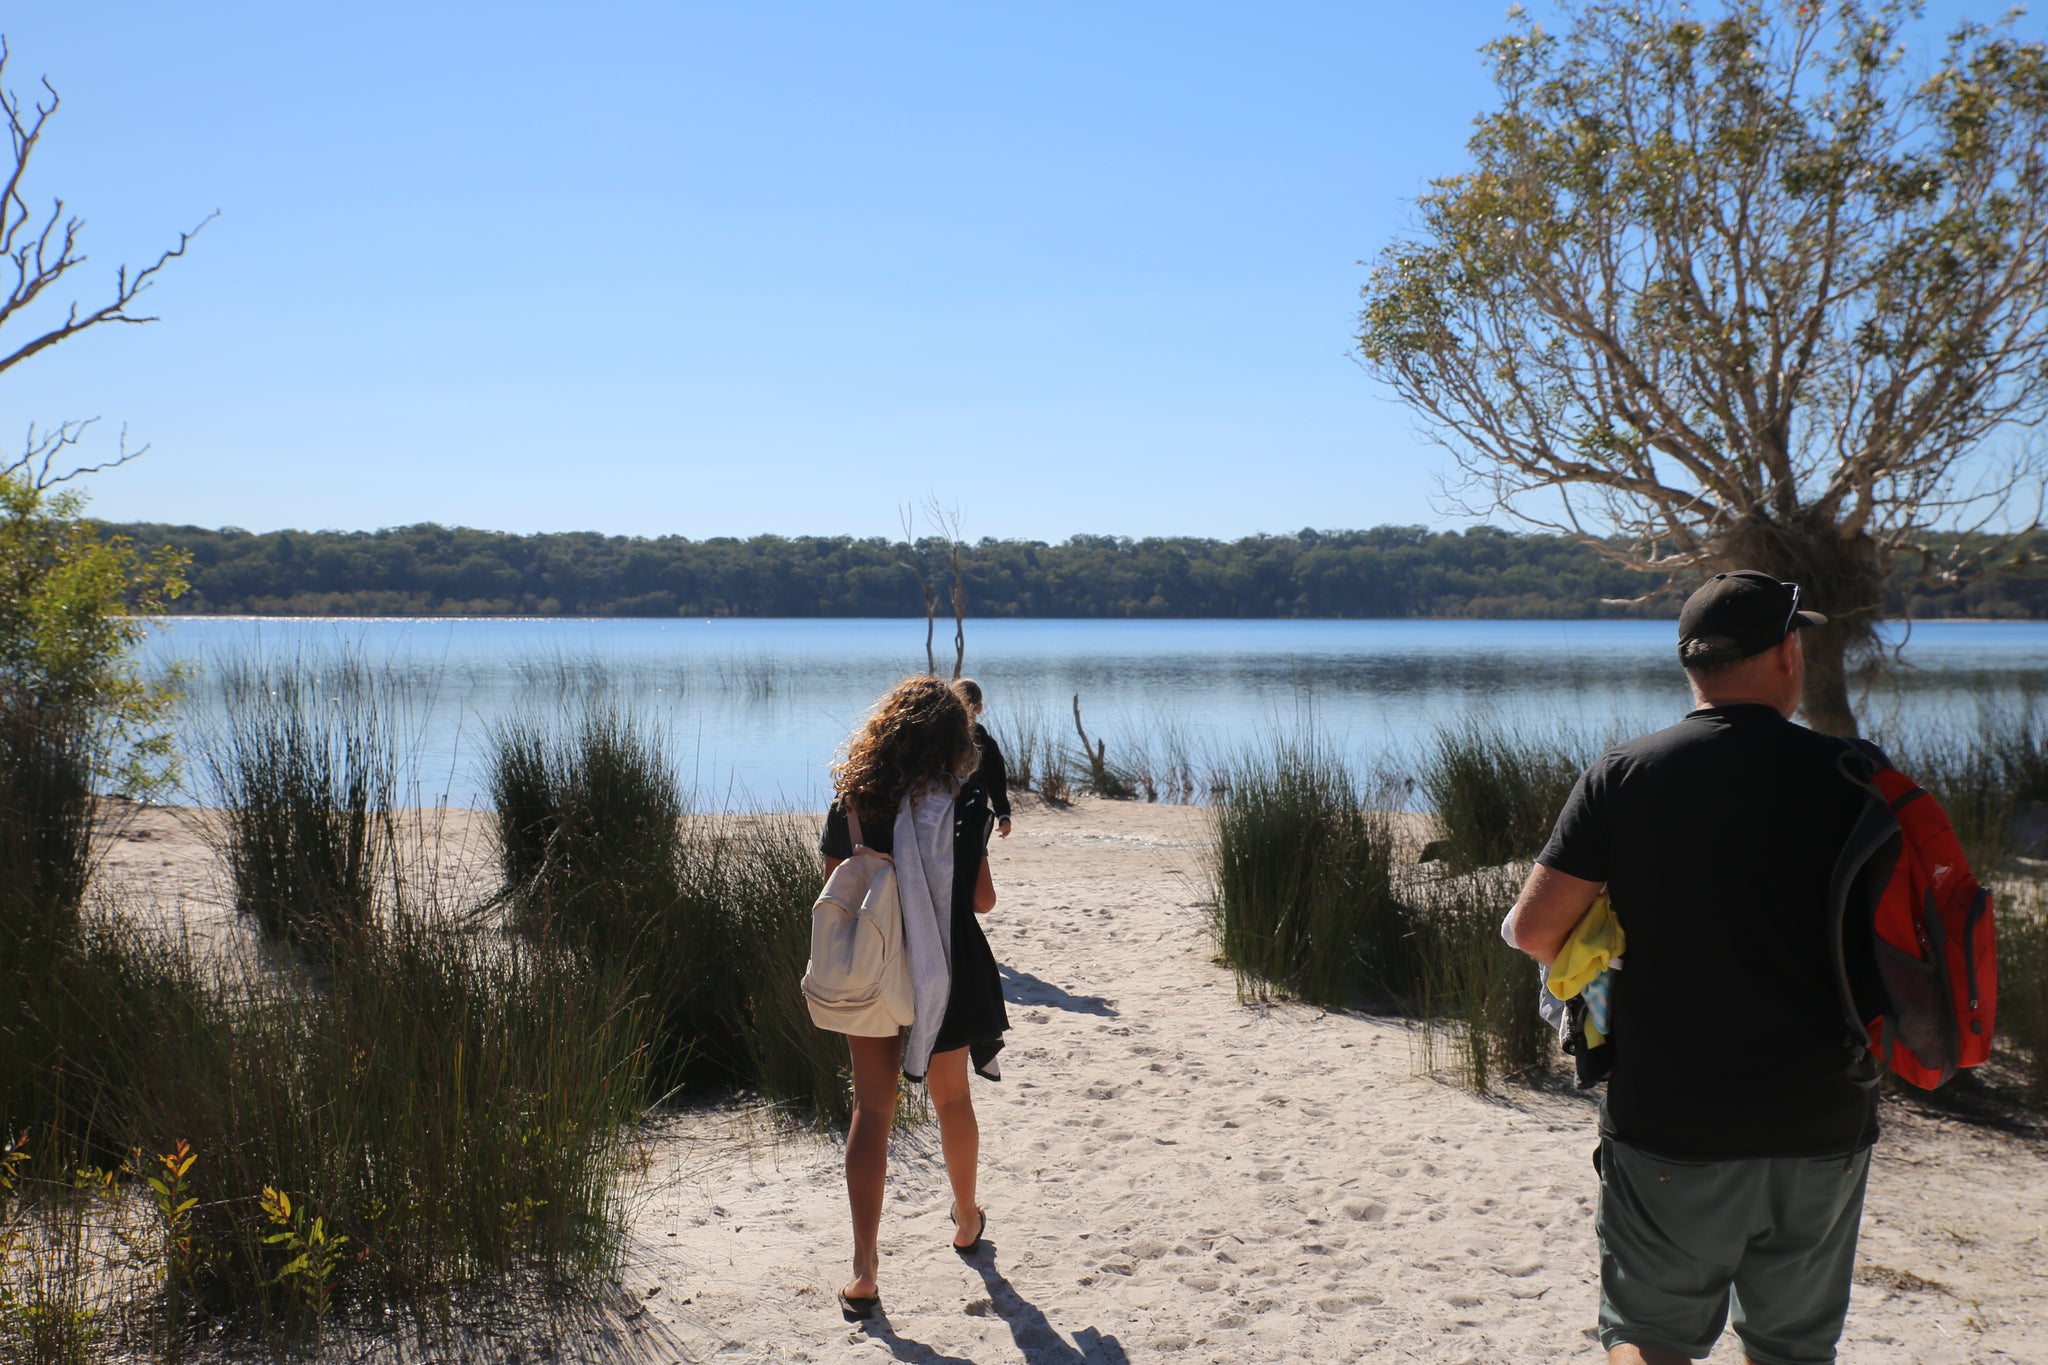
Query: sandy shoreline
x=1173, y=1175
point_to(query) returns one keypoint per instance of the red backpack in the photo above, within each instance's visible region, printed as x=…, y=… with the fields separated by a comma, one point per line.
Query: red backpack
x=1931, y=929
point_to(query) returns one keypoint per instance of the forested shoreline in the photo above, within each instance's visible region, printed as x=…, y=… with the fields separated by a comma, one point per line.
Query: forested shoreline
x=1385, y=572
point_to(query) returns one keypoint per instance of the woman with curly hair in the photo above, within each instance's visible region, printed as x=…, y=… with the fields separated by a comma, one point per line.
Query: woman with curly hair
x=900, y=783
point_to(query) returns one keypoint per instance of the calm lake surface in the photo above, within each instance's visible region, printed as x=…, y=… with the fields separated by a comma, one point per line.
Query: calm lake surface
x=754, y=709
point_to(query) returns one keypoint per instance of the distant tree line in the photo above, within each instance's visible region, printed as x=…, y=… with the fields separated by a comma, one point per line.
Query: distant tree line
x=1390, y=571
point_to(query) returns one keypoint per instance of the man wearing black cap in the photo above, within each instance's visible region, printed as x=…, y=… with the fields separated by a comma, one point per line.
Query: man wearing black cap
x=1736, y=1131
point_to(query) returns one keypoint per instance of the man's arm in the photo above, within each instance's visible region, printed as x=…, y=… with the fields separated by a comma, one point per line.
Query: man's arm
x=1550, y=904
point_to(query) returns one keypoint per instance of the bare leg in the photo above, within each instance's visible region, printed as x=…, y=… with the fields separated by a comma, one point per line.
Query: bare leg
x=959, y=1137
x=1629, y=1354
x=876, y=1064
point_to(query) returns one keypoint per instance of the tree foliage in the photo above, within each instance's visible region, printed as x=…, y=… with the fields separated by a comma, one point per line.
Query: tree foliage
x=1760, y=287
x=1392, y=571
x=73, y=606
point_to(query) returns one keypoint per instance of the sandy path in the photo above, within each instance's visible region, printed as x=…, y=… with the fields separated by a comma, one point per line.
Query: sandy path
x=1173, y=1175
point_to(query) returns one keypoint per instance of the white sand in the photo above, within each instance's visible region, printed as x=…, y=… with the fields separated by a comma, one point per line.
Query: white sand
x=1173, y=1175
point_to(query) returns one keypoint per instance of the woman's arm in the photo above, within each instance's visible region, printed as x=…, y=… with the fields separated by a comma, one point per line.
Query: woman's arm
x=984, y=890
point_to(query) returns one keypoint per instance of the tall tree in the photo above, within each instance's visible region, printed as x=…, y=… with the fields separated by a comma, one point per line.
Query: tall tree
x=1766, y=287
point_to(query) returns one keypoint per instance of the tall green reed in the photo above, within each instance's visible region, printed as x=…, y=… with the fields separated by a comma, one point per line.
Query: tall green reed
x=456, y=1105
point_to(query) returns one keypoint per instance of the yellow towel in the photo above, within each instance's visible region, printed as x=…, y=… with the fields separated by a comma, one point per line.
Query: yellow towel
x=1595, y=941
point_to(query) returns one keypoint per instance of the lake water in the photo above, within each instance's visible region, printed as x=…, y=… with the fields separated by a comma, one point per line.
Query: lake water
x=754, y=709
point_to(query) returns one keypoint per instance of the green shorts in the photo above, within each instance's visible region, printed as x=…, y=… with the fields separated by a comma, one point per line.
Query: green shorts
x=1678, y=1235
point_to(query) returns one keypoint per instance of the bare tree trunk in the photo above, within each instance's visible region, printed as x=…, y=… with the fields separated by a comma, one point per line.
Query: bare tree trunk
x=959, y=615
x=1825, y=706
x=1841, y=577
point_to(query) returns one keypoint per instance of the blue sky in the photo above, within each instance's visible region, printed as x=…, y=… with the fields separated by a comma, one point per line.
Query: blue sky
x=723, y=269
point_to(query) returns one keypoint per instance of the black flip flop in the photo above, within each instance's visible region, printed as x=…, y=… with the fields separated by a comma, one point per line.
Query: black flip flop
x=972, y=1247
x=855, y=1309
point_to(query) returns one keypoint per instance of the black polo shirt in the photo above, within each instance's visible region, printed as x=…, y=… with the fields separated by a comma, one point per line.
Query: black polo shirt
x=1717, y=839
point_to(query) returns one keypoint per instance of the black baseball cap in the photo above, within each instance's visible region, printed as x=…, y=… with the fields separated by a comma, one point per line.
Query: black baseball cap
x=1735, y=615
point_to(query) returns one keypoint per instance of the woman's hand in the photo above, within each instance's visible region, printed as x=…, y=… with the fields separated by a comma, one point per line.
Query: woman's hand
x=984, y=890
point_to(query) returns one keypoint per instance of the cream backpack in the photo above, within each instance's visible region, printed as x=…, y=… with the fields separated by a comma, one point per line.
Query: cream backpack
x=858, y=978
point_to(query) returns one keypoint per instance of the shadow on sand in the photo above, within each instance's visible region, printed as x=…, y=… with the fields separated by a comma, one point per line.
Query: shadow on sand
x=1022, y=988
x=1038, y=1341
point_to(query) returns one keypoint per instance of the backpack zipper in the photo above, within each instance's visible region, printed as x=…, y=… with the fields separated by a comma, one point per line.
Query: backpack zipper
x=1977, y=909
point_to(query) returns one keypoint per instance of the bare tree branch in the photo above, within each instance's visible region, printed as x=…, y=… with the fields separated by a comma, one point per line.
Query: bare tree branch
x=36, y=253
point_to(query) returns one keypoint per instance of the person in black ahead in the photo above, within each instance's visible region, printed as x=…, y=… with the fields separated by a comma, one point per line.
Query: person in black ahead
x=901, y=779
x=1736, y=1132
x=993, y=774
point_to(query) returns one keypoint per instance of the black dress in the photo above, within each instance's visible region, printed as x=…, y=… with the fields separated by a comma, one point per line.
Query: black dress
x=992, y=774
x=975, y=1016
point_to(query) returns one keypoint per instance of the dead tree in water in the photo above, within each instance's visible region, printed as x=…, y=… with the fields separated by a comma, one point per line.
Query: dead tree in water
x=931, y=605
x=1101, y=781
x=947, y=522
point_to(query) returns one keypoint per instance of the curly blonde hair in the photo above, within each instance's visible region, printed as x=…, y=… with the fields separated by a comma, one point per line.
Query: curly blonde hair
x=920, y=730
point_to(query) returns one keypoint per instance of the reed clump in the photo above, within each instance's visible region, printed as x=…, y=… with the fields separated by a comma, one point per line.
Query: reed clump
x=590, y=822
x=1302, y=879
x=1478, y=996
x=47, y=810
x=768, y=879
x=707, y=916
x=304, y=773
x=2023, y=985
x=430, y=1109
x=454, y=1105
x=1496, y=790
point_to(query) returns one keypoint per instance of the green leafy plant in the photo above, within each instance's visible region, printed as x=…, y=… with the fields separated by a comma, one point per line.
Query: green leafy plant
x=73, y=607
x=311, y=1252
x=174, y=1204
